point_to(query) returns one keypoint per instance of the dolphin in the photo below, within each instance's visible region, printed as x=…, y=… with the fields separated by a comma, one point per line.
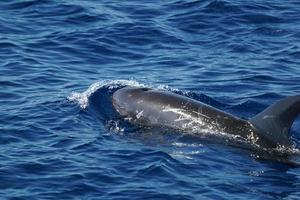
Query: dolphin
x=268, y=129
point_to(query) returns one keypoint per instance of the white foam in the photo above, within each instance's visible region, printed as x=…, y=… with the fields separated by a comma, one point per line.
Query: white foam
x=168, y=88
x=181, y=144
x=186, y=154
x=82, y=98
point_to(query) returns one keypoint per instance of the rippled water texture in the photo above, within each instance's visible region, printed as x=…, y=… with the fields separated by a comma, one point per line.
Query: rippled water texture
x=62, y=60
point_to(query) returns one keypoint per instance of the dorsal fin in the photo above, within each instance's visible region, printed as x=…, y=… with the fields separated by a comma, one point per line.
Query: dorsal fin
x=275, y=121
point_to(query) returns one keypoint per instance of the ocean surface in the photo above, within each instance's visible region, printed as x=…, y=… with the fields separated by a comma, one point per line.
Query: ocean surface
x=62, y=60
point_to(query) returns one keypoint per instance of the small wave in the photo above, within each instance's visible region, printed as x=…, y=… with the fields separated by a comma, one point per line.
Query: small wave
x=25, y=4
x=270, y=31
x=218, y=6
x=184, y=155
x=257, y=18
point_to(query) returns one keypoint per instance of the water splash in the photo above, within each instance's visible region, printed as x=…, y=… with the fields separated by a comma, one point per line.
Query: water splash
x=82, y=98
x=115, y=127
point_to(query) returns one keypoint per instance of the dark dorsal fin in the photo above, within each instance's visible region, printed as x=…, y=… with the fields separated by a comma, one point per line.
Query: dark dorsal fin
x=275, y=121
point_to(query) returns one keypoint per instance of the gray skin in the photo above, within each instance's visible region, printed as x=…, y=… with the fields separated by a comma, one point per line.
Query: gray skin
x=150, y=107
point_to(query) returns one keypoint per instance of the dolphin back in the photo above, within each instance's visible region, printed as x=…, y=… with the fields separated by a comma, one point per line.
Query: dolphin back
x=275, y=121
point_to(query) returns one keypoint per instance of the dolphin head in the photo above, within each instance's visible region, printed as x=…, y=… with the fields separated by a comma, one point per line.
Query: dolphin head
x=125, y=99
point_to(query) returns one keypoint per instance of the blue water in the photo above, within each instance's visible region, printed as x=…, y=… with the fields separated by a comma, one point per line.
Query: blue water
x=61, y=61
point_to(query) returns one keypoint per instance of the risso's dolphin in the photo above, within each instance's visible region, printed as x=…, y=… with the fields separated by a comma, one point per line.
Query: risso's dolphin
x=268, y=129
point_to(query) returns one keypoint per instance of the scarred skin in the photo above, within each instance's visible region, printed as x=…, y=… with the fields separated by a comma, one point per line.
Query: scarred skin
x=152, y=107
